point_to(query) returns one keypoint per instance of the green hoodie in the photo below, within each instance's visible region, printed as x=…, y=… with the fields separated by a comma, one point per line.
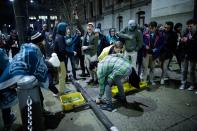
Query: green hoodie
x=133, y=39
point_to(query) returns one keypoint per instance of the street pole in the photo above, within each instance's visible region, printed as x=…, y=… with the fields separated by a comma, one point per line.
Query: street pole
x=84, y=7
x=195, y=9
x=113, y=16
x=19, y=7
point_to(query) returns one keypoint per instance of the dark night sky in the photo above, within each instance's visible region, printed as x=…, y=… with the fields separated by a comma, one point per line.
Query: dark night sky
x=6, y=13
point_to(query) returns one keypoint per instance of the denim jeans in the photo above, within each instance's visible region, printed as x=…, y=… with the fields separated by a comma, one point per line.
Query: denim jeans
x=148, y=61
x=72, y=61
x=108, y=86
x=184, y=71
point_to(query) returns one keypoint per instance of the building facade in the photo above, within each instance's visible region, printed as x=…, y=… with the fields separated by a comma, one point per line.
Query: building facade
x=176, y=10
x=112, y=13
x=117, y=13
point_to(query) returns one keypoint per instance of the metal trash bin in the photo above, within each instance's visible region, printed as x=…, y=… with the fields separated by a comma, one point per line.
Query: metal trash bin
x=29, y=104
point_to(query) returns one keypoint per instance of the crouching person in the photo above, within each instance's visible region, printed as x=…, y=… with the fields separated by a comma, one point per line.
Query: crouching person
x=110, y=71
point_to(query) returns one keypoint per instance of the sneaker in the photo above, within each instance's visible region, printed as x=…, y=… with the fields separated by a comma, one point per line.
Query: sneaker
x=107, y=107
x=191, y=88
x=162, y=82
x=90, y=81
x=100, y=101
x=123, y=101
x=182, y=87
x=96, y=82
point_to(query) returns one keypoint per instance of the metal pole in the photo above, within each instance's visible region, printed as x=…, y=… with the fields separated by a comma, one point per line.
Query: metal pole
x=19, y=7
x=101, y=116
x=29, y=104
x=113, y=16
x=84, y=7
x=195, y=9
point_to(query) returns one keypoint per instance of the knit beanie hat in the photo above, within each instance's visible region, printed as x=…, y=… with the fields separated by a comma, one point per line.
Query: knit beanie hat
x=36, y=37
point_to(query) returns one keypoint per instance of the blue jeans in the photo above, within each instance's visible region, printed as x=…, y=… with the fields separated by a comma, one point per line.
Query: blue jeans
x=72, y=61
x=108, y=86
x=184, y=71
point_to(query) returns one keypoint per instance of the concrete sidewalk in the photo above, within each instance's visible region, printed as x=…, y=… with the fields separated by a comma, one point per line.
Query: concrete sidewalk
x=158, y=108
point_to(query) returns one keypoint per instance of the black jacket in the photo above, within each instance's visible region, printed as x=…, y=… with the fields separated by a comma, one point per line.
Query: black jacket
x=169, y=46
x=60, y=47
x=192, y=48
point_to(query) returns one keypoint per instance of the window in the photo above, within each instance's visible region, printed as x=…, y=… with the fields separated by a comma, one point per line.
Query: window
x=100, y=3
x=53, y=17
x=141, y=18
x=119, y=22
x=106, y=3
x=91, y=9
x=110, y=2
x=84, y=8
x=32, y=18
x=42, y=17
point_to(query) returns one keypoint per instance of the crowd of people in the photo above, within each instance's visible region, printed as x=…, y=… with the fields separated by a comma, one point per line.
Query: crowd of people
x=131, y=53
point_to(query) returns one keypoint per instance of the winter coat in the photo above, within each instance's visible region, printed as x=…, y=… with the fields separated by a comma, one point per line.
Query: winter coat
x=77, y=44
x=92, y=44
x=192, y=47
x=102, y=43
x=60, y=47
x=134, y=43
x=106, y=51
x=70, y=44
x=111, y=39
x=156, y=44
x=169, y=45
